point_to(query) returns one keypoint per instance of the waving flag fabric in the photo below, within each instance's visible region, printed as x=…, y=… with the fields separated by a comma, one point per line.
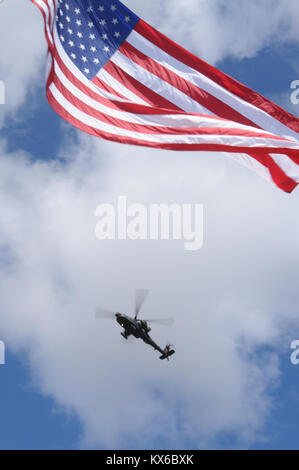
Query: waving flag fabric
x=112, y=75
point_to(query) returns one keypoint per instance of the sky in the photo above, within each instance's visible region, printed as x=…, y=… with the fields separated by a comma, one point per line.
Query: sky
x=69, y=382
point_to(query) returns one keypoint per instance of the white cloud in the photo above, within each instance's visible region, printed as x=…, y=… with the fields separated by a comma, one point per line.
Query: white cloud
x=216, y=29
x=23, y=49
x=228, y=300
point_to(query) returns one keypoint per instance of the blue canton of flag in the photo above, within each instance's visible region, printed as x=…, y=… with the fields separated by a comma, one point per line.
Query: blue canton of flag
x=92, y=31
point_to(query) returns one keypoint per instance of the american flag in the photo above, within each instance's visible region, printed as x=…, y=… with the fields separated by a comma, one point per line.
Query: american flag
x=114, y=76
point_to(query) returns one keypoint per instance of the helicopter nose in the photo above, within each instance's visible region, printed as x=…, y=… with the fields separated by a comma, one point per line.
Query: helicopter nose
x=118, y=317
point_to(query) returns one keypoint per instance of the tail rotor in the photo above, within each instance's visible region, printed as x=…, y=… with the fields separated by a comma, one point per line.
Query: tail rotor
x=168, y=351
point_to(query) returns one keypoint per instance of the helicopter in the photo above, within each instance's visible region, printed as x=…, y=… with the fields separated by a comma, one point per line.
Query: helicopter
x=133, y=326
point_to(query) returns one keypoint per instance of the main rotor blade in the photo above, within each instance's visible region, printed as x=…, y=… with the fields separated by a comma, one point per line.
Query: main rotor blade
x=103, y=313
x=140, y=296
x=162, y=321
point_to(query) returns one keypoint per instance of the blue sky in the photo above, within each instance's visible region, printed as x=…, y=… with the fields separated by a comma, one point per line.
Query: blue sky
x=41, y=407
x=28, y=419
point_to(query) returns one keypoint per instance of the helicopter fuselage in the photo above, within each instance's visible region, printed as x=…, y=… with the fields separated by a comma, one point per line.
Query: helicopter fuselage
x=136, y=328
x=139, y=328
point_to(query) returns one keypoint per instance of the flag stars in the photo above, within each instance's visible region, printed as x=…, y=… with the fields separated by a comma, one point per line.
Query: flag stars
x=82, y=29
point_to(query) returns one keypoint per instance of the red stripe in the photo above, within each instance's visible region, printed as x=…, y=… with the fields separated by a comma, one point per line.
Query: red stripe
x=148, y=95
x=122, y=107
x=177, y=146
x=294, y=158
x=132, y=108
x=225, y=81
x=50, y=46
x=279, y=177
x=99, y=83
x=151, y=129
x=111, y=120
x=122, y=139
x=197, y=94
x=51, y=26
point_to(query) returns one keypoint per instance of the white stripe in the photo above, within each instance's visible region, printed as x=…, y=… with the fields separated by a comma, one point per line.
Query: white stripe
x=287, y=165
x=52, y=12
x=178, y=118
x=119, y=88
x=252, y=164
x=46, y=10
x=165, y=138
x=175, y=121
x=97, y=106
x=253, y=113
x=102, y=75
x=78, y=74
x=158, y=85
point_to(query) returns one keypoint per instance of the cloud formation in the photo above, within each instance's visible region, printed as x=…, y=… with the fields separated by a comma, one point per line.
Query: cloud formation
x=217, y=29
x=23, y=50
x=229, y=300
